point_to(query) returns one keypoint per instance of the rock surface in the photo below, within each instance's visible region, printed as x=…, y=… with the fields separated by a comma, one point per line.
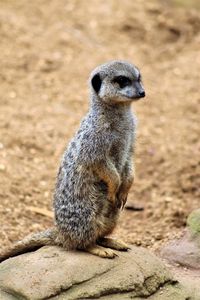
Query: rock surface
x=186, y=250
x=190, y=279
x=52, y=273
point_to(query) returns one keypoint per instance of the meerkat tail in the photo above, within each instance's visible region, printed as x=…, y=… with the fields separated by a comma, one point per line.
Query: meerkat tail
x=30, y=243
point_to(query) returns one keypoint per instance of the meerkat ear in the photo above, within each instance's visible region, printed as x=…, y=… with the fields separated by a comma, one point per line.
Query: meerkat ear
x=96, y=82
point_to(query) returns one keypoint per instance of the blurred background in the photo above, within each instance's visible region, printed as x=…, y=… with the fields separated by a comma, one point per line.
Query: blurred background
x=48, y=49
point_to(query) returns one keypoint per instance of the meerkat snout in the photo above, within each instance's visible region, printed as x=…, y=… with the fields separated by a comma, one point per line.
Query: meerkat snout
x=142, y=94
x=117, y=82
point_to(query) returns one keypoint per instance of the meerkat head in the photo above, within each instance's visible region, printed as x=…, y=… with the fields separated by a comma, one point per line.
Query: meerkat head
x=117, y=82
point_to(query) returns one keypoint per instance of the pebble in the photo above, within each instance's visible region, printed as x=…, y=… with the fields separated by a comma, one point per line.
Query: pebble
x=2, y=167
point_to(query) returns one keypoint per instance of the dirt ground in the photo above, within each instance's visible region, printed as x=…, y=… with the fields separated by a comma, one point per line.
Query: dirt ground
x=48, y=49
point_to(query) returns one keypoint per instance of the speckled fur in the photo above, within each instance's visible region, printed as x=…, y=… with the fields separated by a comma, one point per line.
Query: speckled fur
x=81, y=207
x=105, y=141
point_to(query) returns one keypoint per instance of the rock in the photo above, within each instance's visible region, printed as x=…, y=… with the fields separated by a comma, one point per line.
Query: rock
x=193, y=222
x=184, y=255
x=6, y=296
x=190, y=279
x=52, y=273
x=186, y=250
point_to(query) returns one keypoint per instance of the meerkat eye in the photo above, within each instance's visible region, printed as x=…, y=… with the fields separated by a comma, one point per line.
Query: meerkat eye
x=123, y=81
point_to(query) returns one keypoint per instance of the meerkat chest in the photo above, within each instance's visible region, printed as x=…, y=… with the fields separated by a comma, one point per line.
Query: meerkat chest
x=120, y=147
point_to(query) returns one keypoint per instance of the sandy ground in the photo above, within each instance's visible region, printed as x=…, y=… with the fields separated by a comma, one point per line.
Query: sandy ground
x=48, y=49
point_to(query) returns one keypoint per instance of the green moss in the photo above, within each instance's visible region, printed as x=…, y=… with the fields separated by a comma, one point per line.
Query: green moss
x=187, y=3
x=193, y=222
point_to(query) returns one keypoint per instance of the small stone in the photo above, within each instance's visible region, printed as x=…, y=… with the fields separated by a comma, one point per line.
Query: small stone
x=12, y=95
x=168, y=199
x=35, y=226
x=46, y=194
x=2, y=167
x=158, y=236
x=43, y=183
x=32, y=151
x=45, y=97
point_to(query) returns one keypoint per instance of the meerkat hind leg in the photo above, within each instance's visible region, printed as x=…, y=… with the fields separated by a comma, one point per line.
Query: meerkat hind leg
x=113, y=244
x=101, y=251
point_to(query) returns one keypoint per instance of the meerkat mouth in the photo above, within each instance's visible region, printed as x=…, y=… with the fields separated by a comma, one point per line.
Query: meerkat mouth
x=135, y=98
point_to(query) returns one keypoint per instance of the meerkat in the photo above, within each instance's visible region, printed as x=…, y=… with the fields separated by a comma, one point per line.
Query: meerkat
x=96, y=170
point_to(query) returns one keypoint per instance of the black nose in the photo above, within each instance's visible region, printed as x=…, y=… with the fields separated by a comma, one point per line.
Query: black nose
x=142, y=94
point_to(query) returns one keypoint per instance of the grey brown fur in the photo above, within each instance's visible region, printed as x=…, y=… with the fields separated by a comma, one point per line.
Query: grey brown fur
x=96, y=173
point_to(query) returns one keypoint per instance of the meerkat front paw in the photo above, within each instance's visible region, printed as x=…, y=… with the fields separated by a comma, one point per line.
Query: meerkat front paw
x=121, y=199
x=113, y=244
x=101, y=251
x=112, y=198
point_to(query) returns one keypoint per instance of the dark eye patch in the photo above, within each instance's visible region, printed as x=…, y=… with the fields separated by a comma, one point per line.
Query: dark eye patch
x=123, y=81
